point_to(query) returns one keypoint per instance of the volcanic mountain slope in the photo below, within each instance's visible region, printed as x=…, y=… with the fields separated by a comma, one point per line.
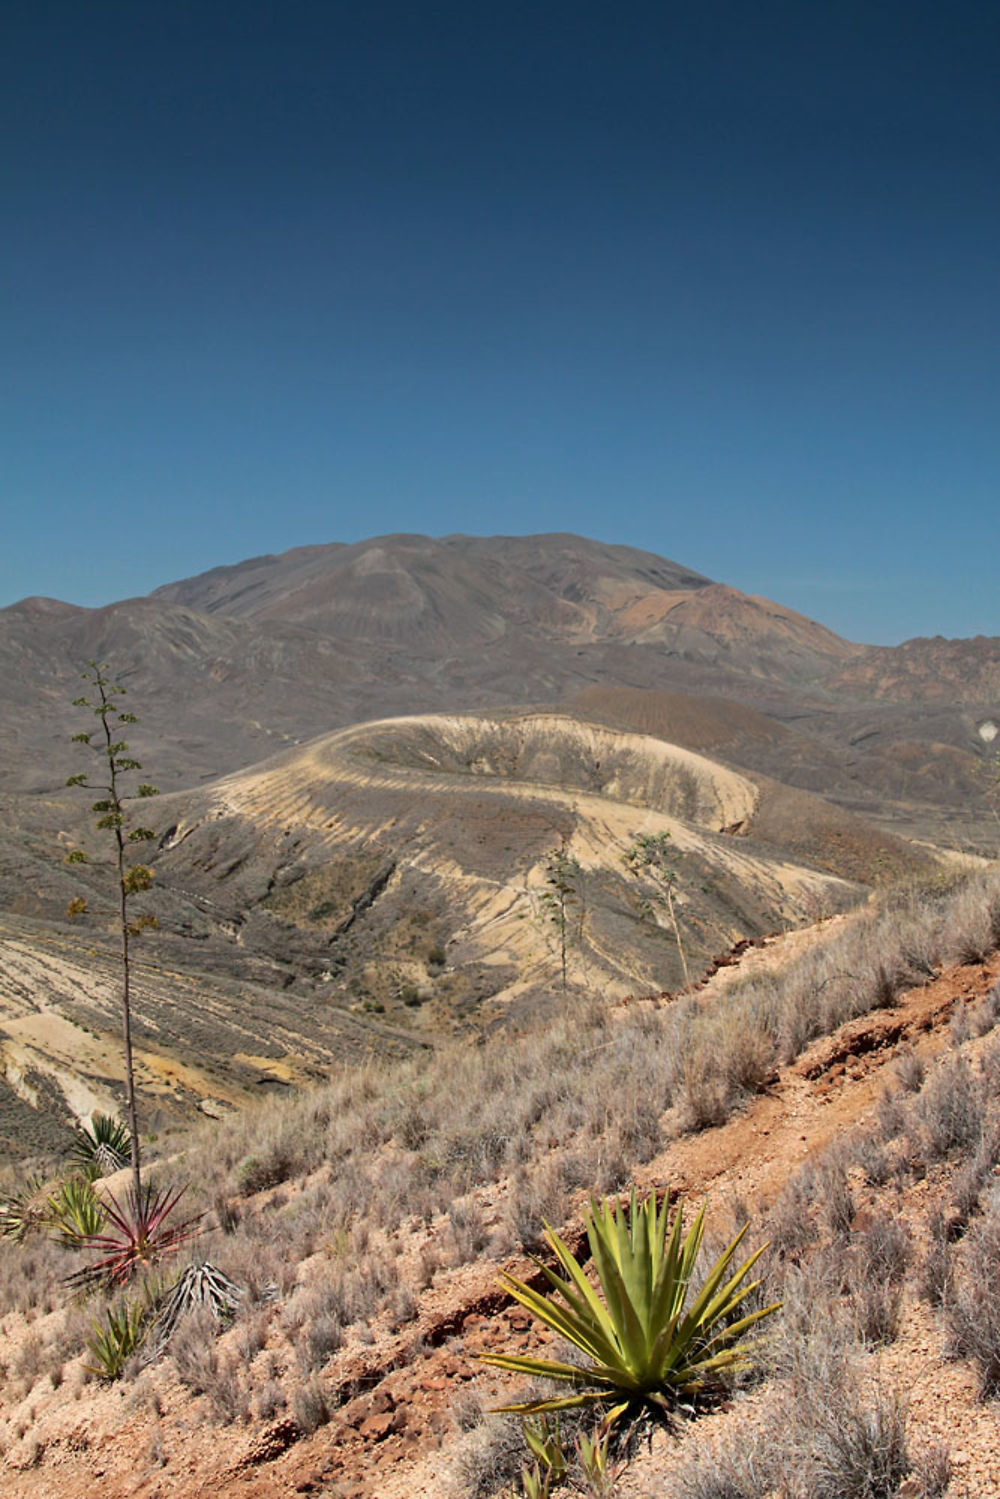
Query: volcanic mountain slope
x=457, y=815
x=385, y=885
x=922, y=771
x=285, y=647
x=238, y=662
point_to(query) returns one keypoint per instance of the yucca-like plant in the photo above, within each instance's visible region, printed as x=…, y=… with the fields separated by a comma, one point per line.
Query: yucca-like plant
x=103, y=1146
x=135, y=1236
x=75, y=1212
x=115, y=1337
x=544, y=1442
x=23, y=1209
x=648, y=1348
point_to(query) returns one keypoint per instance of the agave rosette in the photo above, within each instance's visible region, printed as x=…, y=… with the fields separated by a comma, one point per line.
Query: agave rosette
x=137, y=1235
x=645, y=1345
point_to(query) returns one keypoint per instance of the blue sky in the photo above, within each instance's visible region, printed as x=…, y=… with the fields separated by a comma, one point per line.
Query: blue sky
x=718, y=280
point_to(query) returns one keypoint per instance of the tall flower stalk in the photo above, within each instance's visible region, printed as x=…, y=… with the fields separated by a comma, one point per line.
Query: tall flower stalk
x=117, y=789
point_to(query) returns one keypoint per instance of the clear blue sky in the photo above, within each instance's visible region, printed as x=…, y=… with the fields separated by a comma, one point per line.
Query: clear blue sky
x=715, y=279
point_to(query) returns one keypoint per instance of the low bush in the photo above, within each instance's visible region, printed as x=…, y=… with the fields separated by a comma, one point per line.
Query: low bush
x=310, y=1406
x=951, y=1109
x=973, y=1308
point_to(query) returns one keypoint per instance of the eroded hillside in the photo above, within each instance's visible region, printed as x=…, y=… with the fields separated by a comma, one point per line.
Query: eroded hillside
x=383, y=886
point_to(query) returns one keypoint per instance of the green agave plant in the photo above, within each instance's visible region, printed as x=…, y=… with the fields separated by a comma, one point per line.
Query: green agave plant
x=103, y=1146
x=75, y=1212
x=23, y=1209
x=648, y=1349
x=115, y=1337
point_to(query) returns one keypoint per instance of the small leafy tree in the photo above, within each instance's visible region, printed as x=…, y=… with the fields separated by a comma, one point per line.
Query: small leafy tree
x=117, y=784
x=650, y=856
x=561, y=898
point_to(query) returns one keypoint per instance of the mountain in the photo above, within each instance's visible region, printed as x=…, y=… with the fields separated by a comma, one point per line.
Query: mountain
x=235, y=663
x=238, y=662
x=366, y=755
x=465, y=590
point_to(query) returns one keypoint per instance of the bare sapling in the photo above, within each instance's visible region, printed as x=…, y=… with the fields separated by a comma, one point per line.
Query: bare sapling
x=116, y=781
x=560, y=899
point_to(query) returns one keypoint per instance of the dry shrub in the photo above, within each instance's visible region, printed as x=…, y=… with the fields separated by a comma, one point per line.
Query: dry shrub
x=703, y=1097
x=876, y=1306
x=879, y=1257
x=971, y=928
x=936, y=1274
x=842, y=1445
x=201, y=1369
x=467, y=1410
x=321, y=1341
x=972, y=1176
x=790, y=1225
x=536, y=1199
x=268, y=1168
x=984, y=1016
x=749, y=1060
x=833, y=1193
x=30, y=1275
x=193, y=1350
x=269, y=1400
x=251, y=1333
x=485, y=1458
x=884, y=1248
x=874, y=1160
x=973, y=1311
x=909, y=1069
x=951, y=1109
x=741, y=1469
x=344, y=1295
x=310, y=1406
x=832, y=1439
x=932, y=1470
x=468, y=1231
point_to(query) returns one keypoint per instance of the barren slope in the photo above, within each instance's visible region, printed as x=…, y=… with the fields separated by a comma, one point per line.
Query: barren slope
x=383, y=886
x=396, y=1400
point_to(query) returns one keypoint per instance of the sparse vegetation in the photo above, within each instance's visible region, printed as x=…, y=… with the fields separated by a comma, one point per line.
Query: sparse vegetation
x=356, y=1171
x=75, y=1212
x=102, y=1147
x=117, y=1335
x=132, y=1237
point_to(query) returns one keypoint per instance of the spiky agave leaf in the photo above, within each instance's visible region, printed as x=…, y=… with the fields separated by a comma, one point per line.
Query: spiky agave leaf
x=115, y=1337
x=23, y=1209
x=138, y=1235
x=646, y=1346
x=75, y=1212
x=103, y=1147
x=201, y=1285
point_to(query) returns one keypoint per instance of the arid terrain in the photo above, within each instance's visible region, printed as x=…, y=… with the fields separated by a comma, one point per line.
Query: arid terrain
x=359, y=1053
